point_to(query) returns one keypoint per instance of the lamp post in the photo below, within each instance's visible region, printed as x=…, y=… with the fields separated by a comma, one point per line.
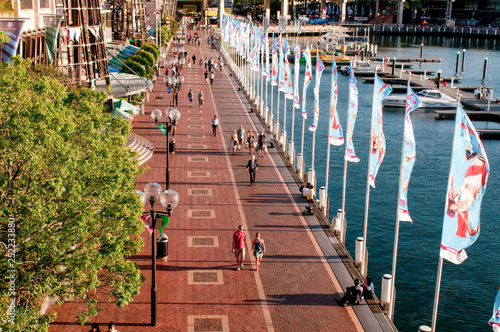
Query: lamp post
x=173, y=115
x=169, y=200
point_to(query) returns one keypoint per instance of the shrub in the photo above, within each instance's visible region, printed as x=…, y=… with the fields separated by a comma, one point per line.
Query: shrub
x=146, y=56
x=135, y=66
x=152, y=50
x=143, y=62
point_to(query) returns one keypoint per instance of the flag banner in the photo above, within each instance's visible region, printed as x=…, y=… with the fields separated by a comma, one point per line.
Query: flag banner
x=281, y=68
x=495, y=318
x=335, y=134
x=288, y=74
x=274, y=75
x=408, y=155
x=352, y=112
x=263, y=43
x=469, y=173
x=319, y=70
x=268, y=74
x=307, y=80
x=51, y=24
x=146, y=219
x=13, y=30
x=296, y=102
x=163, y=128
x=164, y=223
x=377, y=145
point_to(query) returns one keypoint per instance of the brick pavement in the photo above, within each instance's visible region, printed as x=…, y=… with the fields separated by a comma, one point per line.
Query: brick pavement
x=198, y=287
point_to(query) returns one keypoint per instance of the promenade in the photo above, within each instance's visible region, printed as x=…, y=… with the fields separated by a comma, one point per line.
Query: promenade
x=199, y=288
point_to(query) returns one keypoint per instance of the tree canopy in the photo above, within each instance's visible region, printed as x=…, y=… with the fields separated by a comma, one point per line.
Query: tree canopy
x=67, y=194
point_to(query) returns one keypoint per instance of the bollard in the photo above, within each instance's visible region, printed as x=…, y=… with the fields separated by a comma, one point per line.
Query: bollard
x=393, y=65
x=385, y=297
x=439, y=79
x=299, y=166
x=485, y=67
x=311, y=177
x=422, y=50
x=401, y=71
x=490, y=98
x=322, y=198
x=337, y=221
x=463, y=59
x=291, y=152
x=458, y=60
x=424, y=328
x=358, y=257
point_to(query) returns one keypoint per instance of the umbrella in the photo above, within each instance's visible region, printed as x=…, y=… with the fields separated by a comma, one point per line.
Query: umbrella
x=125, y=106
x=118, y=113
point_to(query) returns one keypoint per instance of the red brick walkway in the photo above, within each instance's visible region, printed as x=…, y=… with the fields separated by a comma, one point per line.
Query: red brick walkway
x=199, y=288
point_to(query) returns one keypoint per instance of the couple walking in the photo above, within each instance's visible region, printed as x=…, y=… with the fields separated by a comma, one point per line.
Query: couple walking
x=239, y=245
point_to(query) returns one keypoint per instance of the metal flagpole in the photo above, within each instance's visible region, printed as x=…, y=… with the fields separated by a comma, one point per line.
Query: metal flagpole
x=367, y=201
x=303, y=128
x=278, y=78
x=440, y=266
x=344, y=181
x=396, y=231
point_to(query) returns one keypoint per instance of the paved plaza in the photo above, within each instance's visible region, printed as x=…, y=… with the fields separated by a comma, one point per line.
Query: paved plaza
x=199, y=288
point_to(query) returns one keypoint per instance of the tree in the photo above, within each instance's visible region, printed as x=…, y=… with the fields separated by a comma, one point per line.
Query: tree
x=67, y=195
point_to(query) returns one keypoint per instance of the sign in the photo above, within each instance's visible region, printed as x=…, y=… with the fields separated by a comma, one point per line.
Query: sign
x=212, y=12
x=356, y=39
x=227, y=10
x=360, y=18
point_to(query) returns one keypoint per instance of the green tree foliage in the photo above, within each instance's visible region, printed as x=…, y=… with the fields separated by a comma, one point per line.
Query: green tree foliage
x=149, y=48
x=3, y=37
x=142, y=61
x=135, y=68
x=67, y=190
x=146, y=56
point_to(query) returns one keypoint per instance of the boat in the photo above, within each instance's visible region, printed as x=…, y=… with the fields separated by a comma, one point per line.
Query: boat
x=434, y=99
x=327, y=57
x=360, y=68
x=314, y=54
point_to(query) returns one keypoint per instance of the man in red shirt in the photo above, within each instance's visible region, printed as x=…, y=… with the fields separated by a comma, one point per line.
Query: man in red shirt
x=239, y=245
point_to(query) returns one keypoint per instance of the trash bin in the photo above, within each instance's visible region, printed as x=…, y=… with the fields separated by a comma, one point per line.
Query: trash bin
x=171, y=145
x=162, y=246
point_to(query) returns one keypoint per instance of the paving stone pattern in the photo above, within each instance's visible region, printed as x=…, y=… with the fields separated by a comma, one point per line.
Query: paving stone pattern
x=294, y=289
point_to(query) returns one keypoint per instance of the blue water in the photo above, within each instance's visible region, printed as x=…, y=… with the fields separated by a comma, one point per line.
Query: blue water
x=468, y=290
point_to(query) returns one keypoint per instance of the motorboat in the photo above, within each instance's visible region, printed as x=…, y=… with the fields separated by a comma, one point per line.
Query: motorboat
x=328, y=56
x=434, y=99
x=360, y=68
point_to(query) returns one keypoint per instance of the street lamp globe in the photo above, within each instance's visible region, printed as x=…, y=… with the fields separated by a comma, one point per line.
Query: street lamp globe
x=156, y=115
x=180, y=79
x=174, y=81
x=142, y=196
x=174, y=114
x=152, y=191
x=169, y=199
x=182, y=62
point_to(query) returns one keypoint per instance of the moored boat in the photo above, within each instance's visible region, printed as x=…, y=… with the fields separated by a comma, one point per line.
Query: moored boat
x=434, y=99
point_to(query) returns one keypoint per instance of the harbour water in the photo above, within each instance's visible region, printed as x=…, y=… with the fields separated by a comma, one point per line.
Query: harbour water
x=468, y=290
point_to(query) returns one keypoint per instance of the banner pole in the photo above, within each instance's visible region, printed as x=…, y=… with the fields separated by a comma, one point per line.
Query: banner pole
x=436, y=294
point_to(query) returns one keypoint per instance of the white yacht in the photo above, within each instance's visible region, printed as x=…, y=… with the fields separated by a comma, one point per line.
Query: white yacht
x=434, y=99
x=360, y=68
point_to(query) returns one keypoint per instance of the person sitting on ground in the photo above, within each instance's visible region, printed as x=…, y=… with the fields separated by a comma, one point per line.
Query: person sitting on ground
x=366, y=289
x=311, y=196
x=303, y=190
x=351, y=295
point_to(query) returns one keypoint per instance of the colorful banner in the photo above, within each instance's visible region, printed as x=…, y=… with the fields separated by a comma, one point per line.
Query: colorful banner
x=268, y=74
x=51, y=23
x=319, y=70
x=296, y=102
x=281, y=74
x=469, y=173
x=274, y=73
x=408, y=156
x=13, y=30
x=307, y=80
x=495, y=318
x=288, y=74
x=352, y=112
x=335, y=134
x=377, y=145
x=146, y=219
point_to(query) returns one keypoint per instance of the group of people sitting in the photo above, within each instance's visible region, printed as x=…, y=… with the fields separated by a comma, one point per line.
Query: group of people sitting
x=355, y=294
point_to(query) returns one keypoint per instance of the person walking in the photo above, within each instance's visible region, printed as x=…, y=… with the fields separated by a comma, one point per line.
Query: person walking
x=239, y=245
x=206, y=63
x=250, y=141
x=194, y=59
x=234, y=141
x=215, y=123
x=112, y=328
x=206, y=76
x=241, y=137
x=95, y=328
x=212, y=78
x=252, y=169
x=258, y=247
x=200, y=98
x=262, y=143
x=190, y=98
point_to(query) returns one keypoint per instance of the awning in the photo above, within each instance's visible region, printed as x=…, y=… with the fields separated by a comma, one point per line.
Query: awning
x=125, y=106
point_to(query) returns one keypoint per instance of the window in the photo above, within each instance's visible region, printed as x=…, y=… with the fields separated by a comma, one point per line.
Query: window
x=44, y=3
x=26, y=4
